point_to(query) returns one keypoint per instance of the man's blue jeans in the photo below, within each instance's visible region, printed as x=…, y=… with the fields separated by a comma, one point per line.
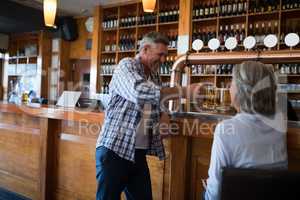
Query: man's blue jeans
x=115, y=175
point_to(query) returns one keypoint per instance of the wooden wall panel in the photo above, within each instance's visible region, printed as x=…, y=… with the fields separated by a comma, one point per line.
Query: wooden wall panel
x=76, y=169
x=156, y=168
x=44, y=61
x=77, y=48
x=19, y=166
x=19, y=120
x=89, y=130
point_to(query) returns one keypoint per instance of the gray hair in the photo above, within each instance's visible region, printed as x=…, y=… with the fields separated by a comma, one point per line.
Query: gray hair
x=153, y=38
x=256, y=87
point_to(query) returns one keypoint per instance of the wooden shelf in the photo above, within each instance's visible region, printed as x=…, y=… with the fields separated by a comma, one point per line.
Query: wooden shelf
x=110, y=29
x=146, y=25
x=108, y=52
x=203, y=75
x=232, y=16
x=291, y=10
x=205, y=19
x=128, y=27
x=127, y=51
x=223, y=75
x=22, y=57
x=168, y=23
x=263, y=13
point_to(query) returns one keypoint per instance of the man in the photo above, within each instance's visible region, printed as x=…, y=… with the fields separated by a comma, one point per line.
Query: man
x=130, y=131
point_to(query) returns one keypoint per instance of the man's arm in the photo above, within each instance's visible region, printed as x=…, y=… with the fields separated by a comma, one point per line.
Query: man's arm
x=129, y=84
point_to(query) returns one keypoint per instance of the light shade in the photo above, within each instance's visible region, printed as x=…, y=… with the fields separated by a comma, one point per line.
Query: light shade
x=149, y=5
x=50, y=12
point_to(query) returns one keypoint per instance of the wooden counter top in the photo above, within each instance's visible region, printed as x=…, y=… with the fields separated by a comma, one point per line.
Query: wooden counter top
x=54, y=112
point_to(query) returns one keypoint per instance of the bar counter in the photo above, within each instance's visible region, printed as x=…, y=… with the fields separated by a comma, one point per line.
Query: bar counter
x=48, y=153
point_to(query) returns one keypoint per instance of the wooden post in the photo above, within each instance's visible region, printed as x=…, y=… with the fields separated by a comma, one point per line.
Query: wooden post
x=179, y=144
x=44, y=61
x=96, y=49
x=50, y=130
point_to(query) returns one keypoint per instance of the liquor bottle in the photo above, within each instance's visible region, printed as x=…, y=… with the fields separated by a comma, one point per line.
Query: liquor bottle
x=177, y=12
x=275, y=27
x=235, y=7
x=251, y=31
x=221, y=35
x=169, y=15
x=223, y=8
x=226, y=34
x=231, y=32
x=206, y=10
x=262, y=33
x=237, y=34
x=269, y=29
x=229, y=8
x=212, y=9
x=240, y=8
x=245, y=7
x=262, y=6
x=217, y=10
x=242, y=33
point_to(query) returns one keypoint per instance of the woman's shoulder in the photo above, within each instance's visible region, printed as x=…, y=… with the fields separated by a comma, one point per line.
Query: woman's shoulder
x=230, y=127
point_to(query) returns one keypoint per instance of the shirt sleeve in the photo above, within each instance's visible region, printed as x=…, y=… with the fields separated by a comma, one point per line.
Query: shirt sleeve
x=132, y=86
x=217, y=162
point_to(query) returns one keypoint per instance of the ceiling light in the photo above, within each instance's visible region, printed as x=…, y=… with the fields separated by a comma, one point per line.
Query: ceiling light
x=50, y=12
x=149, y=5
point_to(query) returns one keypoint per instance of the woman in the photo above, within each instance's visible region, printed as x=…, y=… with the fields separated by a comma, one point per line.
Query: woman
x=254, y=138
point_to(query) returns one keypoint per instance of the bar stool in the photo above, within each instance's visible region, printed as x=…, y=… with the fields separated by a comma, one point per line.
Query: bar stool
x=258, y=184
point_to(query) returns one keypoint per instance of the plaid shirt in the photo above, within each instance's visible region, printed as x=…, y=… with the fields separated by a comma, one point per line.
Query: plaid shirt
x=129, y=91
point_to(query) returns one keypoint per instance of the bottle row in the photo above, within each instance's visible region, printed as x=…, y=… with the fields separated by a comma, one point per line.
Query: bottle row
x=290, y=4
x=263, y=6
x=204, y=34
x=234, y=30
x=108, y=65
x=172, y=37
x=201, y=9
x=126, y=42
x=261, y=29
x=105, y=88
x=289, y=87
x=114, y=22
x=169, y=14
x=236, y=7
x=212, y=69
x=166, y=67
x=289, y=69
x=295, y=103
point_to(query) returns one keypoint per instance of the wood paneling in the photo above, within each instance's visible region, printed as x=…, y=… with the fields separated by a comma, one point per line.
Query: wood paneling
x=19, y=153
x=65, y=66
x=77, y=48
x=76, y=169
x=44, y=61
x=96, y=49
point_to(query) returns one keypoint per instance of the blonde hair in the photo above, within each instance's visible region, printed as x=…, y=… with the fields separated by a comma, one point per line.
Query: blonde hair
x=256, y=87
